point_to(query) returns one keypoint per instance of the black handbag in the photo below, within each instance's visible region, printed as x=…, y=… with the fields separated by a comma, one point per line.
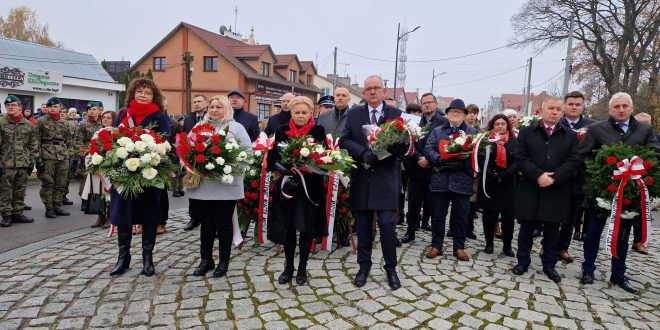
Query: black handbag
x=95, y=201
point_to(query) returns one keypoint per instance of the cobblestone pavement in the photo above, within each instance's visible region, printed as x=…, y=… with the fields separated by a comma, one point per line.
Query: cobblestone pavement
x=67, y=286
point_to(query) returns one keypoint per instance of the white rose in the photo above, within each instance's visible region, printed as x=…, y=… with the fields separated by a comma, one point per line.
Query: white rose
x=252, y=172
x=130, y=146
x=97, y=159
x=166, y=145
x=460, y=140
x=132, y=164
x=146, y=138
x=227, y=178
x=235, y=144
x=123, y=141
x=152, y=145
x=222, y=132
x=242, y=155
x=161, y=149
x=257, y=153
x=140, y=146
x=227, y=169
x=145, y=159
x=155, y=159
x=229, y=146
x=304, y=152
x=338, y=156
x=220, y=161
x=209, y=166
x=320, y=150
x=149, y=173
x=326, y=159
x=122, y=153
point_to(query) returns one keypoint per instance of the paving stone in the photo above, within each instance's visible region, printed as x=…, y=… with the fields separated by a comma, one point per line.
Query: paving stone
x=532, y=316
x=440, y=324
x=470, y=321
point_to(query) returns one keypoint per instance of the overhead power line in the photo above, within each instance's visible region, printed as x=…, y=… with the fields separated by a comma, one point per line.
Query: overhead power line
x=550, y=79
x=483, y=78
x=432, y=60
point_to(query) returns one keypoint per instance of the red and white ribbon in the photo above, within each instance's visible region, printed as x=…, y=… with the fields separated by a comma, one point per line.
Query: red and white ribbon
x=263, y=143
x=331, y=210
x=632, y=169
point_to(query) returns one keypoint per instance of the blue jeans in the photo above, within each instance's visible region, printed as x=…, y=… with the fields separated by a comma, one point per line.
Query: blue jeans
x=595, y=225
x=460, y=210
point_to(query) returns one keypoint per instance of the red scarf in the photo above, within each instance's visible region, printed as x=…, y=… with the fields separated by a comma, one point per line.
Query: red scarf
x=294, y=131
x=139, y=111
x=55, y=117
x=16, y=118
x=500, y=158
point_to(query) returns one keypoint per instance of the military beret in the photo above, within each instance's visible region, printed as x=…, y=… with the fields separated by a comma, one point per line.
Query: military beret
x=98, y=104
x=52, y=101
x=11, y=99
x=89, y=105
x=327, y=100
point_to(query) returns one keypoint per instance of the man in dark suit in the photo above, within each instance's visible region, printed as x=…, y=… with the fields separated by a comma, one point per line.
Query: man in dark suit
x=281, y=118
x=620, y=127
x=420, y=172
x=574, y=119
x=200, y=104
x=245, y=118
x=547, y=154
x=374, y=184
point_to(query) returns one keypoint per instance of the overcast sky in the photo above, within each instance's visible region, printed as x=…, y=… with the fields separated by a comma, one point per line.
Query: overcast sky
x=121, y=29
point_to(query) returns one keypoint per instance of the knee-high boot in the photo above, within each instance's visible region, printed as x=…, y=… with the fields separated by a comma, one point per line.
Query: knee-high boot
x=124, y=236
x=148, y=243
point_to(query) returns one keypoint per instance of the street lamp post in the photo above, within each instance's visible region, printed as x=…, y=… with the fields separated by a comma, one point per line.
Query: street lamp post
x=396, y=58
x=435, y=75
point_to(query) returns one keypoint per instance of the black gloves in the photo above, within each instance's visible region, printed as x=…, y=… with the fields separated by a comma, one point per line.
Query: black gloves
x=369, y=157
x=291, y=185
x=73, y=164
x=2, y=170
x=29, y=169
x=284, y=170
x=40, y=168
x=398, y=149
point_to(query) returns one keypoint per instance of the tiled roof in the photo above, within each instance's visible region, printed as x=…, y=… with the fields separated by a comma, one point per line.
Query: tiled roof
x=411, y=97
x=307, y=66
x=248, y=51
x=34, y=56
x=284, y=59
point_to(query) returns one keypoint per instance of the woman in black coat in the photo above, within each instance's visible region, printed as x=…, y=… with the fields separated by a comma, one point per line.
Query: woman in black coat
x=500, y=185
x=297, y=211
x=144, y=102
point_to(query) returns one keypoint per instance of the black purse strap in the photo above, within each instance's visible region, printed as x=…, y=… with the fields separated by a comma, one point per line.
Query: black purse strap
x=91, y=184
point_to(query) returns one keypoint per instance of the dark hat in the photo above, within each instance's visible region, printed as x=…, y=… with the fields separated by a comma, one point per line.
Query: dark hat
x=52, y=101
x=278, y=103
x=327, y=100
x=11, y=99
x=98, y=104
x=456, y=104
x=89, y=105
x=236, y=92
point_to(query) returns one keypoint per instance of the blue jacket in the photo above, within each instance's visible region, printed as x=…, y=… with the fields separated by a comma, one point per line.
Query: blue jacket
x=460, y=181
x=414, y=170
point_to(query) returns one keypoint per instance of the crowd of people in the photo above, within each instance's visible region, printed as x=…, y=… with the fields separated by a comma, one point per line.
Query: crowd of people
x=536, y=176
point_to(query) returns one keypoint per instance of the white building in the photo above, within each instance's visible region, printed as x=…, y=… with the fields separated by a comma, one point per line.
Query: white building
x=325, y=85
x=35, y=73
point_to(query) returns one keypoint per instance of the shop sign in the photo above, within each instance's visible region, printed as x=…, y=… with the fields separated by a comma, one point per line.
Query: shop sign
x=30, y=79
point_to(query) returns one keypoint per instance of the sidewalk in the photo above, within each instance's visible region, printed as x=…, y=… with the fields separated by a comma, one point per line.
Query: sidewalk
x=66, y=286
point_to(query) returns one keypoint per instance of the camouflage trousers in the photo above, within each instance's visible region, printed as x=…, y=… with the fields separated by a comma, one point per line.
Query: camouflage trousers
x=12, y=191
x=54, y=183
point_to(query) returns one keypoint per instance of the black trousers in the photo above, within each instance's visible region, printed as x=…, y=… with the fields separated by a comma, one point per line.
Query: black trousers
x=550, y=242
x=490, y=219
x=164, y=207
x=304, y=244
x=566, y=229
x=417, y=196
x=363, y=224
x=215, y=216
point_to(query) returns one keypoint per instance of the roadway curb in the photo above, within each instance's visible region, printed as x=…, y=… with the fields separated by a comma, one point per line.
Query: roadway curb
x=17, y=252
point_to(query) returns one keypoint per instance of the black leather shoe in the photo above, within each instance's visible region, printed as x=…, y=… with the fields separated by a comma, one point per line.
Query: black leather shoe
x=176, y=193
x=425, y=226
x=577, y=235
x=121, y=266
x=60, y=212
x=537, y=232
x=471, y=236
x=221, y=270
x=6, y=221
x=66, y=201
x=393, y=280
x=50, y=214
x=204, y=267
x=361, y=277
x=623, y=283
x=27, y=207
x=508, y=252
x=408, y=237
x=192, y=224
x=587, y=278
x=301, y=278
x=21, y=219
x=285, y=277
x=344, y=241
x=148, y=264
x=449, y=233
x=398, y=242
x=519, y=270
x=552, y=274
x=488, y=249
x=183, y=193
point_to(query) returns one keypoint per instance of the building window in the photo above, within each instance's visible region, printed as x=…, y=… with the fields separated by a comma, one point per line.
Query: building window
x=265, y=69
x=292, y=75
x=159, y=64
x=210, y=63
x=326, y=91
x=310, y=80
x=263, y=110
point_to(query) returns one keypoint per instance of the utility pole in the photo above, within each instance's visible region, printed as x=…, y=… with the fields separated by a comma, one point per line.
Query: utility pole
x=396, y=58
x=187, y=58
x=529, y=87
x=569, y=57
x=334, y=81
x=345, y=64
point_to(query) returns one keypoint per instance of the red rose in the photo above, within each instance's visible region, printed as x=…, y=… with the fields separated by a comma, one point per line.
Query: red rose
x=157, y=139
x=140, y=132
x=247, y=212
x=215, y=150
x=620, y=164
x=344, y=196
x=270, y=199
x=200, y=158
x=215, y=139
x=455, y=135
x=649, y=181
x=399, y=119
x=115, y=136
x=107, y=146
x=296, y=152
x=92, y=142
x=200, y=138
x=399, y=126
x=246, y=200
x=254, y=184
x=580, y=136
x=627, y=202
x=129, y=133
x=93, y=149
x=388, y=120
x=200, y=147
x=183, y=135
x=611, y=160
x=339, y=190
x=135, y=138
x=343, y=210
x=468, y=139
x=254, y=196
x=466, y=146
x=648, y=164
x=612, y=188
x=314, y=155
x=272, y=187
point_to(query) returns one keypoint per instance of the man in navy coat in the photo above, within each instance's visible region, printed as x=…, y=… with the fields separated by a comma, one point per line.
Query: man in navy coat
x=375, y=183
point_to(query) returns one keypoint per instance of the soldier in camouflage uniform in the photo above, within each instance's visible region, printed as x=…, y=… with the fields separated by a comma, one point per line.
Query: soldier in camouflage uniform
x=72, y=123
x=84, y=134
x=56, y=147
x=18, y=151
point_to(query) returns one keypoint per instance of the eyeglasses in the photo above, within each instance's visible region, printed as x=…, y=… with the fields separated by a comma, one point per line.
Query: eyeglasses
x=428, y=103
x=375, y=89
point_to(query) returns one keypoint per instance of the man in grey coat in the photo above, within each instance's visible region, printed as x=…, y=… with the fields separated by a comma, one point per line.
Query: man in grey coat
x=333, y=121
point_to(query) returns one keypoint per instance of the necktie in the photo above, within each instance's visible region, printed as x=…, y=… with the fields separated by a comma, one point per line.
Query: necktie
x=374, y=121
x=548, y=130
x=572, y=125
x=623, y=127
x=199, y=118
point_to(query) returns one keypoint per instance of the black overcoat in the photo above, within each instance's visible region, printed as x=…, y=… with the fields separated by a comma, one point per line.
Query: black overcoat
x=376, y=187
x=537, y=153
x=501, y=188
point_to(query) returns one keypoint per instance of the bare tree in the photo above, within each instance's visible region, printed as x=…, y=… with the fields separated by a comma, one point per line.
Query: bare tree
x=22, y=23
